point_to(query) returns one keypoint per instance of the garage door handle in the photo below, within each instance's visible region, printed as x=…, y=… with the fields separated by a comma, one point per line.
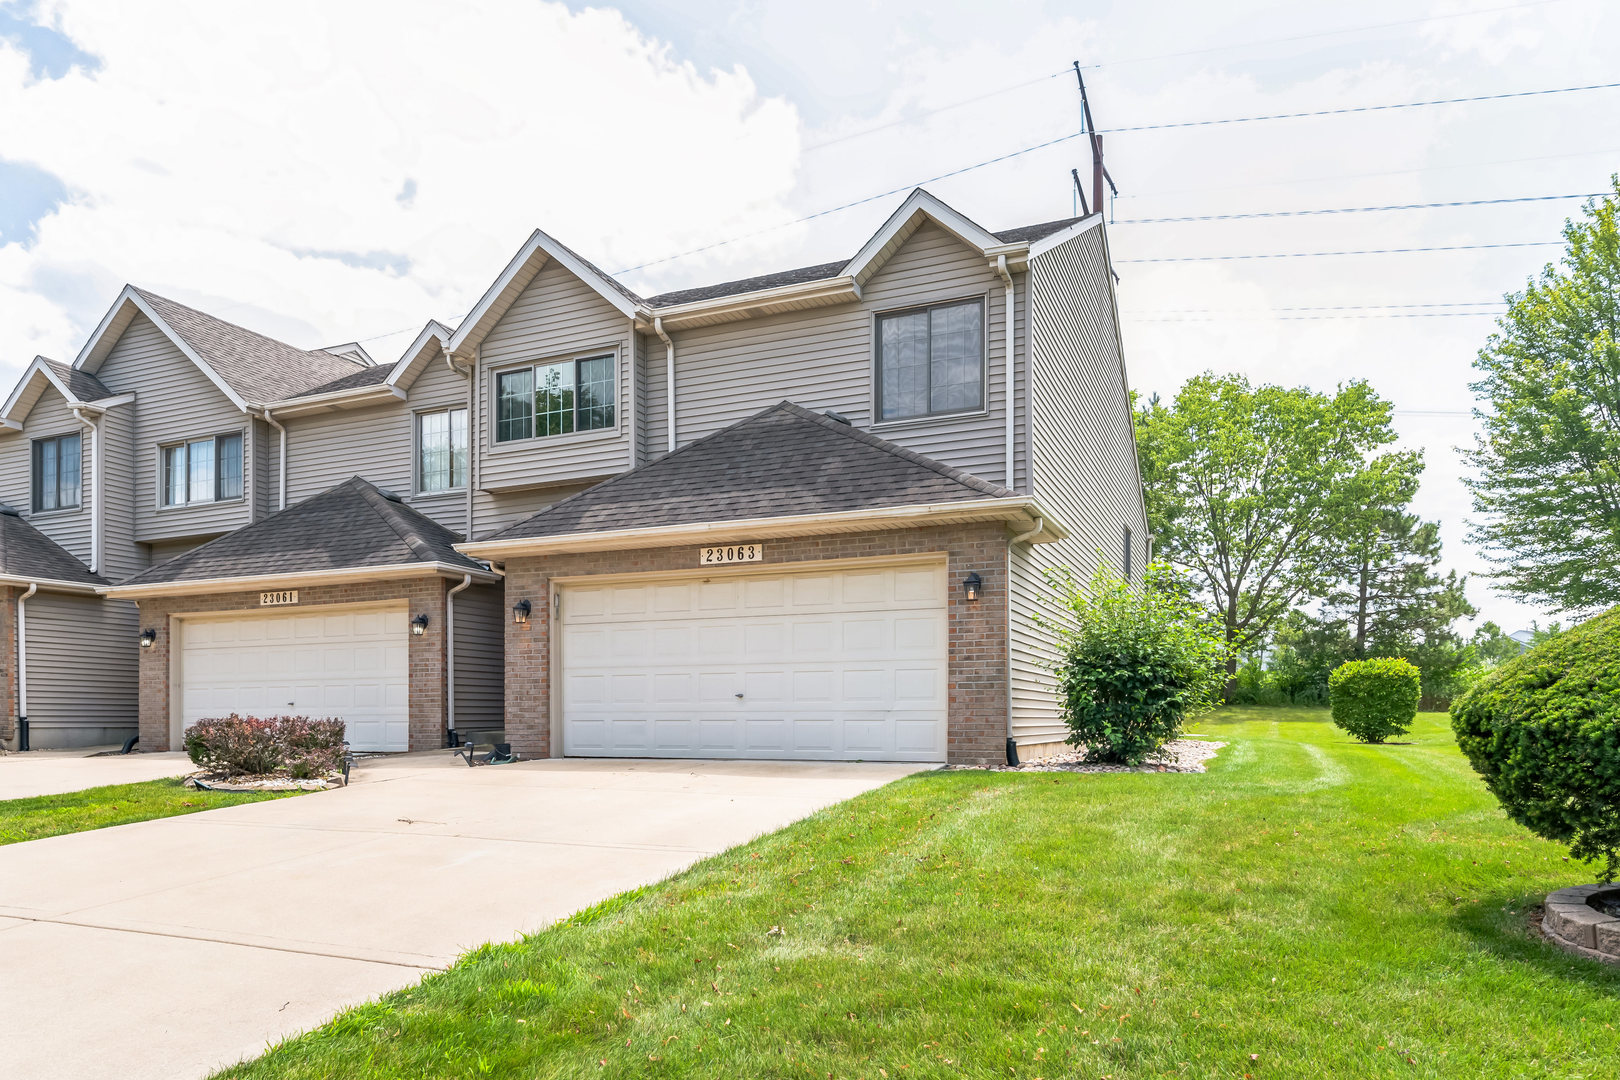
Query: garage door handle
x=739, y=697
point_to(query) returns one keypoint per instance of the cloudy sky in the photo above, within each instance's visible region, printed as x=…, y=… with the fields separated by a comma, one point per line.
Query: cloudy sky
x=330, y=171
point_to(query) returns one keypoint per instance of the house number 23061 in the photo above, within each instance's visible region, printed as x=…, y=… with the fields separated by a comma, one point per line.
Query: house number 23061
x=731, y=553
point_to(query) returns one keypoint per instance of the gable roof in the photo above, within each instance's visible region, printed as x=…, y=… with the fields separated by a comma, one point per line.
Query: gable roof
x=783, y=462
x=423, y=350
x=26, y=554
x=76, y=388
x=249, y=368
x=352, y=527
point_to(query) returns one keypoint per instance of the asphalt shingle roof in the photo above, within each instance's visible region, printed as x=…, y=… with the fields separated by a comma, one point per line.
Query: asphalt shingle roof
x=371, y=376
x=83, y=385
x=783, y=461
x=350, y=526
x=258, y=368
x=25, y=552
x=1024, y=234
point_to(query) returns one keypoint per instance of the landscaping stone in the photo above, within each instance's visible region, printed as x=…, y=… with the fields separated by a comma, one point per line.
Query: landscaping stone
x=262, y=783
x=1177, y=755
x=1574, y=923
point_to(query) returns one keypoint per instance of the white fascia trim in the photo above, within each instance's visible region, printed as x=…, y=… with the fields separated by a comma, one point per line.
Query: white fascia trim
x=130, y=296
x=358, y=395
x=539, y=241
x=833, y=286
x=41, y=367
x=434, y=331
x=52, y=585
x=920, y=201
x=303, y=577
x=1024, y=508
x=1063, y=236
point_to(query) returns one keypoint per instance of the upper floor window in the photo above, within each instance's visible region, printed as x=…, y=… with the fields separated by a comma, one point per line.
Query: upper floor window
x=554, y=399
x=930, y=361
x=56, y=473
x=441, y=450
x=202, y=470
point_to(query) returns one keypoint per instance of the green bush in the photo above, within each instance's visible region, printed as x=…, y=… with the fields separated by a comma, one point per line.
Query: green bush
x=1543, y=730
x=1374, y=699
x=264, y=746
x=1134, y=664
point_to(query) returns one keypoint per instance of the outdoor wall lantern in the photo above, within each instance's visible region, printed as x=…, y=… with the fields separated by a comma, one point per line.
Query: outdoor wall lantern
x=419, y=626
x=971, y=585
x=148, y=638
x=520, y=612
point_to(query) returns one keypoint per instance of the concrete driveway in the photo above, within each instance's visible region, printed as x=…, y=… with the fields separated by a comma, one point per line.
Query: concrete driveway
x=171, y=948
x=54, y=772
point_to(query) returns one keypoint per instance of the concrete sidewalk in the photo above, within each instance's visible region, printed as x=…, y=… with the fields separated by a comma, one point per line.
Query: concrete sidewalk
x=55, y=772
x=170, y=948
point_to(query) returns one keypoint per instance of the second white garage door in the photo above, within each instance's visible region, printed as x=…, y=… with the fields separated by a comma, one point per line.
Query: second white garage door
x=836, y=665
x=346, y=664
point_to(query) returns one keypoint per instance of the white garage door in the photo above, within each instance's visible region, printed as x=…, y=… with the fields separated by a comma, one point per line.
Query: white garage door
x=838, y=665
x=345, y=664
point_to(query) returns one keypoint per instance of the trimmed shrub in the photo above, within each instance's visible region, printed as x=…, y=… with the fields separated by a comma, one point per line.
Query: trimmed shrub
x=1374, y=699
x=262, y=746
x=1543, y=730
x=1134, y=664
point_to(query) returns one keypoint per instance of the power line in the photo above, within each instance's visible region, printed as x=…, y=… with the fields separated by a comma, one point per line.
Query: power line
x=1317, y=318
x=1332, y=307
x=1358, y=109
x=1356, y=209
x=1357, y=251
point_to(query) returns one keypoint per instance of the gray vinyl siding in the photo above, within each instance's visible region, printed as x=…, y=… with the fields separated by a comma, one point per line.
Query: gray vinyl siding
x=49, y=417
x=654, y=397
x=556, y=317
x=174, y=402
x=82, y=681
x=479, y=662
x=266, y=483
x=121, y=556
x=823, y=358
x=495, y=510
x=1083, y=458
x=164, y=550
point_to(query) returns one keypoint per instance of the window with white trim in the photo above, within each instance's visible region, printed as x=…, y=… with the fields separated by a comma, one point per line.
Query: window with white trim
x=554, y=399
x=202, y=470
x=441, y=450
x=930, y=361
x=56, y=473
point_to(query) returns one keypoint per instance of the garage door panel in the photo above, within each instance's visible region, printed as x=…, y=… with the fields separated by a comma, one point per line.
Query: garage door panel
x=847, y=664
x=350, y=665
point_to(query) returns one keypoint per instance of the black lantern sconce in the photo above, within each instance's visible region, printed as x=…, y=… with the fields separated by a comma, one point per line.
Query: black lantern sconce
x=148, y=638
x=419, y=626
x=972, y=585
x=520, y=612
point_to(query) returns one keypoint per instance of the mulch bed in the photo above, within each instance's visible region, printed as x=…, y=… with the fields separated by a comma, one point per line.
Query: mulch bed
x=1177, y=755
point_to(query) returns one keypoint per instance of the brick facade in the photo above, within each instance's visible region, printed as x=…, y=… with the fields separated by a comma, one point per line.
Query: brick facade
x=426, y=659
x=978, y=645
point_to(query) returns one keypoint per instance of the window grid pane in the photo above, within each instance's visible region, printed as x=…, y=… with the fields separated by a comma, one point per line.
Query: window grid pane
x=435, y=449
x=47, y=475
x=174, y=475
x=514, y=416
x=229, y=472
x=458, y=448
x=200, y=471
x=903, y=351
x=554, y=400
x=67, y=471
x=954, y=340
x=595, y=393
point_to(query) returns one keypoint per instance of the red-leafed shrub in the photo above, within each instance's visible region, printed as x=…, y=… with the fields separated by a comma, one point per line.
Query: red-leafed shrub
x=261, y=746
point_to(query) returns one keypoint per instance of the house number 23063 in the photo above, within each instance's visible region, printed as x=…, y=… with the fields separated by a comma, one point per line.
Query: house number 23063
x=731, y=553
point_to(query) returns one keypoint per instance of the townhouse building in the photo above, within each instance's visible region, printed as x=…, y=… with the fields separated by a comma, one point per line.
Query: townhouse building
x=803, y=515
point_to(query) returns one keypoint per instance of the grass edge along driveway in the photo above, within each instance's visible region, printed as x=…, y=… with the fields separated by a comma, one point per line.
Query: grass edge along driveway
x=1310, y=907
x=39, y=816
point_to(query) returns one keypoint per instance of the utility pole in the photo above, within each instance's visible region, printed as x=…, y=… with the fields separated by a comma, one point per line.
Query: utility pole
x=1099, y=172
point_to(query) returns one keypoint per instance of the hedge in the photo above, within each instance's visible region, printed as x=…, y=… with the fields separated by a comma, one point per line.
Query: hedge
x=1374, y=699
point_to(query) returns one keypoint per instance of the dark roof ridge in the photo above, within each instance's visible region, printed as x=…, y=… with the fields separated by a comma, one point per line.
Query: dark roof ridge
x=383, y=506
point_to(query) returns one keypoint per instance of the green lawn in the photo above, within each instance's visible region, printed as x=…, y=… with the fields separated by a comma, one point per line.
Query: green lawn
x=115, y=804
x=1310, y=907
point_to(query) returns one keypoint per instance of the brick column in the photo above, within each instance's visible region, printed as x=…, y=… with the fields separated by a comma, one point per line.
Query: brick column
x=528, y=660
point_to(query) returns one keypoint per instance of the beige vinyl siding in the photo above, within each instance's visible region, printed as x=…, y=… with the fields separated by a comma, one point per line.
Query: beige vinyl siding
x=1084, y=461
x=48, y=418
x=823, y=358
x=82, y=682
x=558, y=316
x=480, y=658
x=121, y=556
x=175, y=401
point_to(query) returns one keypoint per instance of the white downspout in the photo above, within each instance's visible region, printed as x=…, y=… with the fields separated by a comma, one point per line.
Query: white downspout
x=1040, y=523
x=281, y=463
x=95, y=487
x=1009, y=358
x=450, y=650
x=22, y=660
x=669, y=375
